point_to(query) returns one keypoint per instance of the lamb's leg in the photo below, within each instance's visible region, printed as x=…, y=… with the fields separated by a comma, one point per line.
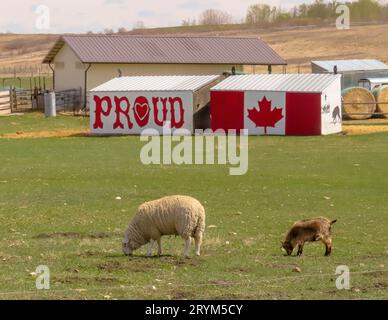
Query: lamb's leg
x=328, y=244
x=187, y=247
x=159, y=247
x=150, y=246
x=300, y=249
x=198, y=242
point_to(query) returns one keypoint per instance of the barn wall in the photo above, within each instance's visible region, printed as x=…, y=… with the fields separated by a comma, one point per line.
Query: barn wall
x=227, y=110
x=69, y=71
x=303, y=114
x=331, y=106
x=260, y=101
x=142, y=113
x=101, y=73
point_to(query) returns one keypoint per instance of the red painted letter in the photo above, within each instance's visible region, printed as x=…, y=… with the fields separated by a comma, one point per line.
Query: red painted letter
x=156, y=111
x=125, y=112
x=174, y=123
x=100, y=111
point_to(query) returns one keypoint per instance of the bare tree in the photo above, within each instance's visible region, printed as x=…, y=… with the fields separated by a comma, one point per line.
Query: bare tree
x=215, y=17
x=188, y=22
x=259, y=13
x=121, y=30
x=139, y=25
x=109, y=31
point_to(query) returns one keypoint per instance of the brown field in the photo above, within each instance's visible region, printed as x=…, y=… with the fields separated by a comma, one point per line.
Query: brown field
x=19, y=51
x=47, y=134
x=298, y=45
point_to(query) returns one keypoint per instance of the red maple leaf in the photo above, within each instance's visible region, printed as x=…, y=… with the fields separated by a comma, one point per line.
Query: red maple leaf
x=265, y=117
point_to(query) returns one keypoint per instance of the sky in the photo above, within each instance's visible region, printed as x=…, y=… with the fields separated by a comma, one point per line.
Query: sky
x=59, y=16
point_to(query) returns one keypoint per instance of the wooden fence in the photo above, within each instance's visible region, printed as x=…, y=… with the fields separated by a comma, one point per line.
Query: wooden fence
x=17, y=100
x=69, y=100
x=5, y=102
x=23, y=100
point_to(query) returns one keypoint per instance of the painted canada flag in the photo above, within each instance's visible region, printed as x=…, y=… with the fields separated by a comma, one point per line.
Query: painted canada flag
x=267, y=112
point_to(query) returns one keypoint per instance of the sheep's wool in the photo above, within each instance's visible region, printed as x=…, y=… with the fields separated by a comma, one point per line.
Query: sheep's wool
x=173, y=215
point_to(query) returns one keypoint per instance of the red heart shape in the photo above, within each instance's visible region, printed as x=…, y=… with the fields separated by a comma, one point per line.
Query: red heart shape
x=142, y=110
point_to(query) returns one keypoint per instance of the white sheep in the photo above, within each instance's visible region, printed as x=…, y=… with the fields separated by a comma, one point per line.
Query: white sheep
x=174, y=215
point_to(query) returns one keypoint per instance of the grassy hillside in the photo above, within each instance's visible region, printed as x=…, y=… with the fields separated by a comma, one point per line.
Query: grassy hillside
x=297, y=44
x=23, y=50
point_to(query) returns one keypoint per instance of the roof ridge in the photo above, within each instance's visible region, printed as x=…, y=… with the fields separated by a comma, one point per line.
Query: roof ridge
x=139, y=49
x=363, y=59
x=154, y=36
x=278, y=82
x=154, y=83
x=170, y=76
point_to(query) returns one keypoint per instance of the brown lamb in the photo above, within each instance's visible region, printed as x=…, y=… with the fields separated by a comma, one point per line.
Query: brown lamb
x=309, y=230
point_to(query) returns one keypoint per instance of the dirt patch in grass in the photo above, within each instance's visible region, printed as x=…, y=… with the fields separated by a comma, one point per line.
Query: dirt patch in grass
x=281, y=266
x=186, y=262
x=72, y=235
x=83, y=280
x=46, y=134
x=142, y=263
x=364, y=129
x=105, y=279
x=110, y=266
x=131, y=265
x=181, y=295
x=240, y=270
x=237, y=296
x=381, y=285
x=90, y=253
x=221, y=283
x=377, y=273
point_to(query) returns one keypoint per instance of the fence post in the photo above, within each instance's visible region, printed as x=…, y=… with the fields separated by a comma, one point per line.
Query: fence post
x=14, y=98
x=11, y=99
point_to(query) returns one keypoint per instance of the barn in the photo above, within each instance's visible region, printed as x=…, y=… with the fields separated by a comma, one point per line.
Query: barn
x=129, y=105
x=278, y=104
x=87, y=61
x=352, y=71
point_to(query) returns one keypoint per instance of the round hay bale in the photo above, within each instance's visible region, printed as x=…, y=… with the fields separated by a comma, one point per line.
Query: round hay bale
x=358, y=100
x=381, y=95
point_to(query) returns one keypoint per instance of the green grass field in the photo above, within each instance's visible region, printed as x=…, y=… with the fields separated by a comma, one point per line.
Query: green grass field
x=58, y=208
x=27, y=82
x=34, y=121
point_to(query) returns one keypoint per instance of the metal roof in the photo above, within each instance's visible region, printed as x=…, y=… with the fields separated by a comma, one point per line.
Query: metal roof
x=156, y=83
x=351, y=65
x=277, y=82
x=375, y=80
x=187, y=50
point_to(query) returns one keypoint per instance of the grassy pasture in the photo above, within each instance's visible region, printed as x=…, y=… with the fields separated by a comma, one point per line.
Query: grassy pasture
x=58, y=208
x=27, y=82
x=35, y=121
